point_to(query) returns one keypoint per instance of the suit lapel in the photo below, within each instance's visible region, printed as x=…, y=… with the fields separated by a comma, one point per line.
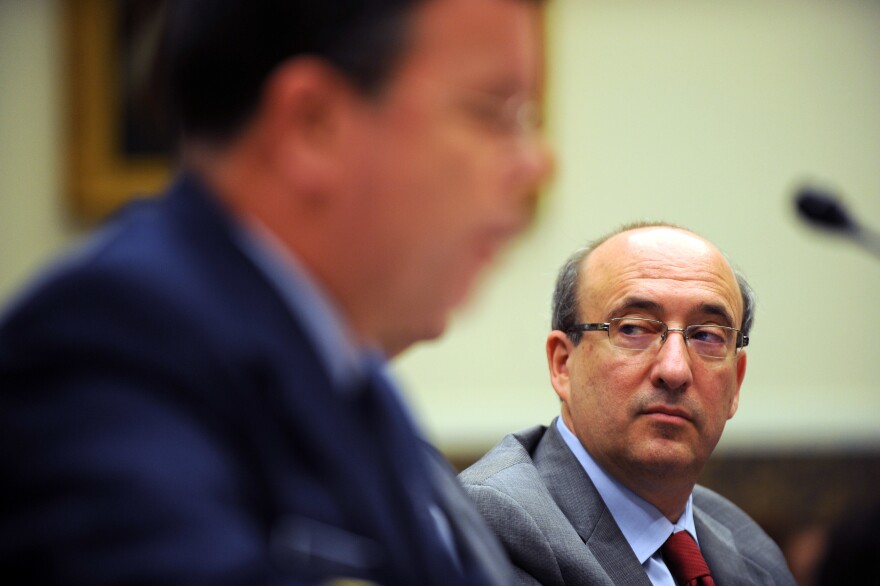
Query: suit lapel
x=577, y=497
x=385, y=483
x=480, y=554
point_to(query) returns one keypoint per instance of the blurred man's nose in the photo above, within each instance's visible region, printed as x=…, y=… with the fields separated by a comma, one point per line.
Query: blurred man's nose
x=539, y=158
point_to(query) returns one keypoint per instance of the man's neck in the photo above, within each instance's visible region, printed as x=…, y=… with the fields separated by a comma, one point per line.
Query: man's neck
x=668, y=493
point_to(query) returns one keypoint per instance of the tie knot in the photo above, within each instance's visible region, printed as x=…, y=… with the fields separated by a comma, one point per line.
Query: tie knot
x=685, y=562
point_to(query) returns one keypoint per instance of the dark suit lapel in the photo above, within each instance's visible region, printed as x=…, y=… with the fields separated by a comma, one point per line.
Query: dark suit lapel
x=406, y=476
x=577, y=497
x=480, y=554
x=728, y=567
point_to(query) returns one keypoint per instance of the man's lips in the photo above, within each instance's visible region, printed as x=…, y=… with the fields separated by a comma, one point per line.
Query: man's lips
x=667, y=414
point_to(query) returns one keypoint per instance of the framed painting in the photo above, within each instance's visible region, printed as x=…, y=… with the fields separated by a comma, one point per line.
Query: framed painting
x=112, y=151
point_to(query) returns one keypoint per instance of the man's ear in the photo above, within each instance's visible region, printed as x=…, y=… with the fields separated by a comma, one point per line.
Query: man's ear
x=740, y=376
x=302, y=118
x=559, y=350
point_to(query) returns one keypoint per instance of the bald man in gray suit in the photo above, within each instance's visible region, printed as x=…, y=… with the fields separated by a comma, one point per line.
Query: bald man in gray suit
x=599, y=496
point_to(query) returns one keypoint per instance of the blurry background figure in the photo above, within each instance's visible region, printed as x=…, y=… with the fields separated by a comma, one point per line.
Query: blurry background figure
x=852, y=550
x=199, y=393
x=804, y=549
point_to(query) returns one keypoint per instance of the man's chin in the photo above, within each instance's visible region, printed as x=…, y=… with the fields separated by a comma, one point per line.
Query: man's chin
x=397, y=342
x=667, y=458
x=429, y=323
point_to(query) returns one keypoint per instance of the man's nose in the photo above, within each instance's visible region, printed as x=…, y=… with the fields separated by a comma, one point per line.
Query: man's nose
x=540, y=158
x=672, y=366
x=535, y=161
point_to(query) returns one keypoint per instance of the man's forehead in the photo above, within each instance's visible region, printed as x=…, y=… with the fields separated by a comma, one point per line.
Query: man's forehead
x=652, y=246
x=616, y=268
x=478, y=35
x=655, y=240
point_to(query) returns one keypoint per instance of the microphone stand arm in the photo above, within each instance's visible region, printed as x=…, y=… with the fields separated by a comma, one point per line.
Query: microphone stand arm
x=867, y=238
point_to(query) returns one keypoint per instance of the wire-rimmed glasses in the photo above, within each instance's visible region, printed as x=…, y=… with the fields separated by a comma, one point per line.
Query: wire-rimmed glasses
x=638, y=334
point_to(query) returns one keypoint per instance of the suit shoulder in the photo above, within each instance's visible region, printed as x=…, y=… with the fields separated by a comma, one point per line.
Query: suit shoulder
x=509, y=492
x=505, y=484
x=513, y=450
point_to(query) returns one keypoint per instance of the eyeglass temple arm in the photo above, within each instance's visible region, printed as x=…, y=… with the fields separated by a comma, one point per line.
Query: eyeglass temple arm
x=594, y=327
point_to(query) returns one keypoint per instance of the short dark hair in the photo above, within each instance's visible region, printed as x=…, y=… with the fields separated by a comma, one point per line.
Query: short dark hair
x=565, y=309
x=216, y=55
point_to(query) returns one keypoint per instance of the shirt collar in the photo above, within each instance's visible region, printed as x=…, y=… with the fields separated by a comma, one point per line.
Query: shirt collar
x=642, y=524
x=324, y=323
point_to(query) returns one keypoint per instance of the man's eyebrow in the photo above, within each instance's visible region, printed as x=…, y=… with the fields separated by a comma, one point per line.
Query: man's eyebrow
x=719, y=310
x=712, y=309
x=629, y=303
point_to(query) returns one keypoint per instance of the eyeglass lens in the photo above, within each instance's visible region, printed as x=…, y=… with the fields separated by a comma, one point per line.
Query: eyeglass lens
x=640, y=334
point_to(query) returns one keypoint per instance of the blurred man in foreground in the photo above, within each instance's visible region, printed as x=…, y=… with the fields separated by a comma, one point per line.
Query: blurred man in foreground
x=197, y=396
x=647, y=355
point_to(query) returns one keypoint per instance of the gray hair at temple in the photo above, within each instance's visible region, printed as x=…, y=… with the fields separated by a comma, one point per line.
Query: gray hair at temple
x=565, y=304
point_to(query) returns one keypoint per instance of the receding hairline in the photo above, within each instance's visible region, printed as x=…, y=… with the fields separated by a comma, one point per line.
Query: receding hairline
x=627, y=230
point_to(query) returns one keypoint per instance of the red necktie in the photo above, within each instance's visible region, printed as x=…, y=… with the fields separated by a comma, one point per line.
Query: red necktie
x=685, y=562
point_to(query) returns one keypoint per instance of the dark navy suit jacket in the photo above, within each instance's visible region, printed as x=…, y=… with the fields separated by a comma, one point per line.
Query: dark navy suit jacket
x=165, y=420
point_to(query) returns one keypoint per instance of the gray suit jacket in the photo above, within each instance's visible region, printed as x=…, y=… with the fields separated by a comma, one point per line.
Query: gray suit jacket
x=538, y=499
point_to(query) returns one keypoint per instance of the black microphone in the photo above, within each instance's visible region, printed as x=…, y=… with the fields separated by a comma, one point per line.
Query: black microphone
x=824, y=210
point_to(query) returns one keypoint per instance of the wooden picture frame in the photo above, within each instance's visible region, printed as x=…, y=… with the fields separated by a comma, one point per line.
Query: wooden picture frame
x=100, y=174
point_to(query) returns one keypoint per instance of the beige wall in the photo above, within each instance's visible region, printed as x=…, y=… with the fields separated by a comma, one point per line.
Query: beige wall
x=704, y=114
x=32, y=215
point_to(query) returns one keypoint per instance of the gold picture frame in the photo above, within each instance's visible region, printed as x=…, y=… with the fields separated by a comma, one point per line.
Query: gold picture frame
x=100, y=175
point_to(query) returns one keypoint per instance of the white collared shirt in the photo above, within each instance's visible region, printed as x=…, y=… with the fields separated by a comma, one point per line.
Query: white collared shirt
x=642, y=524
x=322, y=320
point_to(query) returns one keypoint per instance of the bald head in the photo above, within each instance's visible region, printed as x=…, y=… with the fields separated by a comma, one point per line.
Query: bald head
x=667, y=245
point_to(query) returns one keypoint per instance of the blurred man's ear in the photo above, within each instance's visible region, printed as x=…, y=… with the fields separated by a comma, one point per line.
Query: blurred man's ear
x=559, y=350
x=301, y=120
